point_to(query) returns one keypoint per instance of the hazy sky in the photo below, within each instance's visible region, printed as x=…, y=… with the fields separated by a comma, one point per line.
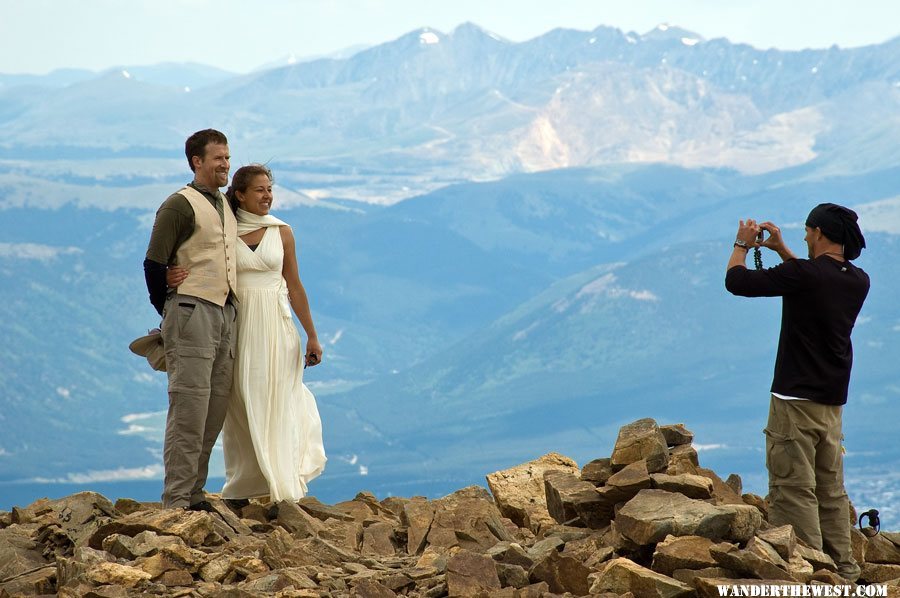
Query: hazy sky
x=37, y=36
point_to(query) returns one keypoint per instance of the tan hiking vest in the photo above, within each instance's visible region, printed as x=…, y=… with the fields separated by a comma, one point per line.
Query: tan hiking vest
x=209, y=253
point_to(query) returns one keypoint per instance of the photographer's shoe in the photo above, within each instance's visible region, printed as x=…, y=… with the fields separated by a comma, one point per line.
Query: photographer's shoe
x=849, y=571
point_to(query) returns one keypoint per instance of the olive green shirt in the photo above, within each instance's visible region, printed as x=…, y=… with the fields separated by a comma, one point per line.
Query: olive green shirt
x=174, y=223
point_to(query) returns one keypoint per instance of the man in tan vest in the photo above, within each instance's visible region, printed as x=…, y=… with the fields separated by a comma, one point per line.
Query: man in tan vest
x=195, y=229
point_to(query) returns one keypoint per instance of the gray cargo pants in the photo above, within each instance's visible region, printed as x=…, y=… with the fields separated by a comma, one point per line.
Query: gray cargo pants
x=199, y=338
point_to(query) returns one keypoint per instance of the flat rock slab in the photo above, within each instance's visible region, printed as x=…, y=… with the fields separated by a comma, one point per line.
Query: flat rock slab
x=469, y=573
x=621, y=575
x=194, y=527
x=654, y=514
x=684, y=552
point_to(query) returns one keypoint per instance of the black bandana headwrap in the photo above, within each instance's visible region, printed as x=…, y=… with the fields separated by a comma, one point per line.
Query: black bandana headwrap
x=839, y=225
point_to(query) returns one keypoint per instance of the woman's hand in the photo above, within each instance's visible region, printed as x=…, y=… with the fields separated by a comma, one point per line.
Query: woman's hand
x=313, y=353
x=175, y=275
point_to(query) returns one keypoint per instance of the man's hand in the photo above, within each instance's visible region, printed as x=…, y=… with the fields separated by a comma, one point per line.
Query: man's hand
x=175, y=275
x=747, y=232
x=775, y=241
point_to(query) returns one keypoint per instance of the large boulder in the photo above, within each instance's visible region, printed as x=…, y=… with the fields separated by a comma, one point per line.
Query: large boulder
x=883, y=549
x=146, y=543
x=321, y=511
x=562, y=574
x=641, y=440
x=621, y=576
x=682, y=552
x=752, y=562
x=378, y=539
x=37, y=582
x=117, y=574
x=876, y=573
x=676, y=434
x=467, y=518
x=418, y=513
x=470, y=573
x=683, y=459
x=519, y=491
x=296, y=520
x=723, y=494
x=692, y=486
x=597, y=471
x=630, y=480
x=817, y=558
x=347, y=535
x=782, y=539
x=654, y=514
x=572, y=501
x=194, y=527
x=19, y=553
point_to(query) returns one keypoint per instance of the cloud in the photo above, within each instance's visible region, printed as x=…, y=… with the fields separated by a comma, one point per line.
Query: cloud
x=709, y=447
x=145, y=378
x=150, y=425
x=147, y=472
x=880, y=216
x=34, y=251
x=134, y=429
x=132, y=417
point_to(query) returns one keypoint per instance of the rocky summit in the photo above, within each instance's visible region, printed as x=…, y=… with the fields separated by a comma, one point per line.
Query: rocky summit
x=647, y=521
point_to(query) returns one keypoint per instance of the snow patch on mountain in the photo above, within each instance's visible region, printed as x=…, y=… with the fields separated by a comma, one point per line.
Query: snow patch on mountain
x=428, y=38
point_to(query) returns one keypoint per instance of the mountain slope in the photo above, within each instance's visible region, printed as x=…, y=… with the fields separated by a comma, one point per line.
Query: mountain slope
x=431, y=108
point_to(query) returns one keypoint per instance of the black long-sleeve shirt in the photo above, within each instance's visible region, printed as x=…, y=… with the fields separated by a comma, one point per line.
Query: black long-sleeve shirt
x=821, y=299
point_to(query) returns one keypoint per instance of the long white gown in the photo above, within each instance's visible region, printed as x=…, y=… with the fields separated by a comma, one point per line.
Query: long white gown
x=272, y=436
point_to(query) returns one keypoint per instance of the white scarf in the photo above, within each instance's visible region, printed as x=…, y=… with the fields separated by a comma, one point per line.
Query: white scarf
x=248, y=222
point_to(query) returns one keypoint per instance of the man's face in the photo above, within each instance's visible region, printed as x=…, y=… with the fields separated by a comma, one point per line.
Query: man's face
x=211, y=170
x=810, y=239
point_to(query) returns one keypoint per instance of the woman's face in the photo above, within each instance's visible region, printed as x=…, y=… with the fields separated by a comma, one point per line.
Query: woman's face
x=257, y=199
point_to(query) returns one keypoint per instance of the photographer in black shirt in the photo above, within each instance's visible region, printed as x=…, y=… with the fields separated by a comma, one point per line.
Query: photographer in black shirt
x=821, y=298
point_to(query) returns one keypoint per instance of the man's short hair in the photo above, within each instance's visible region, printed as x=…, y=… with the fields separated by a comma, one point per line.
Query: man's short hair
x=196, y=144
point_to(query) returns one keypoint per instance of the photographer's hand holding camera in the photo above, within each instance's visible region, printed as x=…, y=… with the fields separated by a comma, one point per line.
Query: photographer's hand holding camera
x=821, y=298
x=751, y=234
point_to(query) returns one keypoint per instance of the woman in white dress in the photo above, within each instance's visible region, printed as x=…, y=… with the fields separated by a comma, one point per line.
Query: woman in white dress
x=272, y=436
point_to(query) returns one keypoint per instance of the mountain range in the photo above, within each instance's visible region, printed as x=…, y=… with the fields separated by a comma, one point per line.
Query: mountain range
x=510, y=248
